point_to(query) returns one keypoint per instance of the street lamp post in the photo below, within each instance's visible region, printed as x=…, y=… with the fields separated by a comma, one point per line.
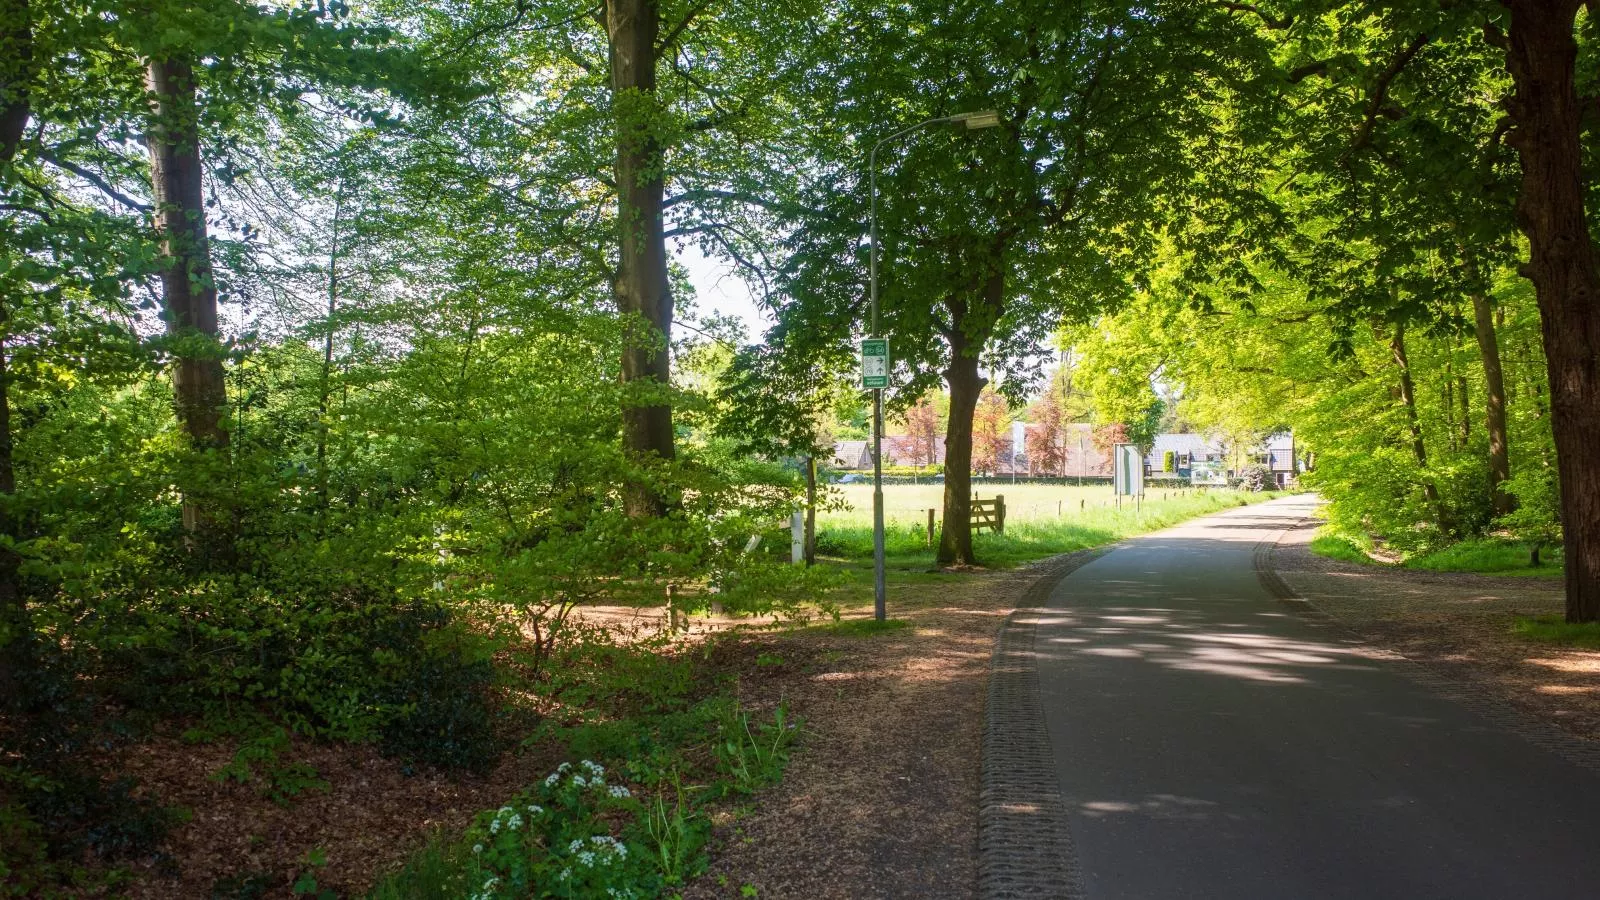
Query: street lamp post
x=972, y=121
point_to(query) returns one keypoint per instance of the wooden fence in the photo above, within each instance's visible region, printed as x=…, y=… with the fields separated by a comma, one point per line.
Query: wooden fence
x=990, y=514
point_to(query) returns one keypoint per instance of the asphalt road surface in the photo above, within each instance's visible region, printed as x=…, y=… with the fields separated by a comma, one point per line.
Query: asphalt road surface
x=1212, y=742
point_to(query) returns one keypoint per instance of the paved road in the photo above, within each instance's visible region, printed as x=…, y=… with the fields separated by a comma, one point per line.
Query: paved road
x=1213, y=743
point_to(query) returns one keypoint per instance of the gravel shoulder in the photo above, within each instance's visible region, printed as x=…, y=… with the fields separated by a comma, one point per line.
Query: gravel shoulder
x=1458, y=625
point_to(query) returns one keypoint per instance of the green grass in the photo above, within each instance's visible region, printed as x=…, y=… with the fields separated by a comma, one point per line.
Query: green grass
x=1033, y=529
x=1336, y=545
x=1490, y=556
x=862, y=627
x=1554, y=630
x=1482, y=556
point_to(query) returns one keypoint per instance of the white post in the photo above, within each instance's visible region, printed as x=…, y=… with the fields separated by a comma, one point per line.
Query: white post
x=797, y=538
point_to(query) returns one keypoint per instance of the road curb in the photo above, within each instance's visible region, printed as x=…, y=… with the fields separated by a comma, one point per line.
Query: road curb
x=1473, y=695
x=1024, y=843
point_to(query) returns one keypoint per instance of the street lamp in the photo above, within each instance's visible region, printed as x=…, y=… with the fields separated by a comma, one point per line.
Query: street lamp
x=971, y=121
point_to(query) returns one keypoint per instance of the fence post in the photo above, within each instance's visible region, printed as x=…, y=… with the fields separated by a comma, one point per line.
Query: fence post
x=999, y=513
x=930, y=527
x=797, y=538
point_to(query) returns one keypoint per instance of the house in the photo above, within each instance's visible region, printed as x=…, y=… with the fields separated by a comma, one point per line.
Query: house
x=852, y=455
x=1277, y=453
x=1186, y=449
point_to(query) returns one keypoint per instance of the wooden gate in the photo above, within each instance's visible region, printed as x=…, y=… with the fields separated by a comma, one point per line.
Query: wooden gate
x=990, y=514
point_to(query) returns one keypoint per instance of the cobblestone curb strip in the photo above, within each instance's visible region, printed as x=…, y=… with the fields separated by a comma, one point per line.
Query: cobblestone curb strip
x=1024, y=846
x=1473, y=695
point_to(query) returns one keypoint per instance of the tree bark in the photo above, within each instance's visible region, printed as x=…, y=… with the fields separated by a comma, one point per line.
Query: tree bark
x=1494, y=401
x=324, y=388
x=811, y=510
x=955, y=534
x=971, y=325
x=1408, y=396
x=16, y=76
x=188, y=289
x=642, y=291
x=1547, y=115
x=186, y=279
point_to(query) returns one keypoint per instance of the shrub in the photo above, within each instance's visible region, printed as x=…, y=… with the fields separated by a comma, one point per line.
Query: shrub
x=555, y=842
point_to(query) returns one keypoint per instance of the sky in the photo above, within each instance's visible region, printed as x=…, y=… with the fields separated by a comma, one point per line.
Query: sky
x=718, y=288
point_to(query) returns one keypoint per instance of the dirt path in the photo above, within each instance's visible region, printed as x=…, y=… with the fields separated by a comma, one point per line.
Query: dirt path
x=1459, y=625
x=881, y=799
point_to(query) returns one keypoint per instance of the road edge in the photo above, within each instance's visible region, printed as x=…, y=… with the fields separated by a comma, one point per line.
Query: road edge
x=1024, y=843
x=1479, y=698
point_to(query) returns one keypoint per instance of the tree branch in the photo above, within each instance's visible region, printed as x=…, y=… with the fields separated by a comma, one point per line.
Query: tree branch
x=677, y=29
x=104, y=186
x=1380, y=90
x=1265, y=17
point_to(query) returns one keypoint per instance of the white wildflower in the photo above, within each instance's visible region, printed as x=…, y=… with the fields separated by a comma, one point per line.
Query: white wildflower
x=477, y=848
x=551, y=780
x=579, y=781
x=618, y=791
x=586, y=858
x=575, y=846
x=564, y=768
x=535, y=809
x=593, y=767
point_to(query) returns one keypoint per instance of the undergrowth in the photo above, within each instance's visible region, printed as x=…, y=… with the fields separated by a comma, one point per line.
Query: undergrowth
x=1554, y=630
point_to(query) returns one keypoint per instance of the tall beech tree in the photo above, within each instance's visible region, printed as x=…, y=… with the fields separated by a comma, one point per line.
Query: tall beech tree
x=189, y=290
x=1549, y=134
x=634, y=29
x=990, y=240
x=1529, y=56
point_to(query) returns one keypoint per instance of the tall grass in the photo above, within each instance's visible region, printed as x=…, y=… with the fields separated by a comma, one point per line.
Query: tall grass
x=1491, y=556
x=1483, y=556
x=1555, y=630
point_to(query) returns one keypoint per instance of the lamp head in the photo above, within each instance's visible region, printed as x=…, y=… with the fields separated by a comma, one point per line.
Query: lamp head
x=983, y=118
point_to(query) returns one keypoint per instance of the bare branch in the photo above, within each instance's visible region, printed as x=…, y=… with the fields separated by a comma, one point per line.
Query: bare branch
x=94, y=179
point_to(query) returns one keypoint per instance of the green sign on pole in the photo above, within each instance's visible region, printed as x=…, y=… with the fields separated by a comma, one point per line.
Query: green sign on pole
x=875, y=362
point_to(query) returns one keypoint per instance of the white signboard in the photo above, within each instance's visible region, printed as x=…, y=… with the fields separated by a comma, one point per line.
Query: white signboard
x=1127, y=468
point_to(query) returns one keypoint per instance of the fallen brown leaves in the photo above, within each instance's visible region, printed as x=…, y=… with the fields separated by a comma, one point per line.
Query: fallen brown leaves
x=880, y=799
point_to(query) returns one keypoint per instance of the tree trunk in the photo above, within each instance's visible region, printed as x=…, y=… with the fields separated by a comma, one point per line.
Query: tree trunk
x=1494, y=405
x=642, y=290
x=955, y=535
x=810, y=510
x=188, y=290
x=1450, y=406
x=971, y=324
x=1408, y=396
x=186, y=279
x=324, y=390
x=16, y=78
x=1547, y=114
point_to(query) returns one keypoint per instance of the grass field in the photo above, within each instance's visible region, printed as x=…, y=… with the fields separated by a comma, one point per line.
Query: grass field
x=1041, y=520
x=908, y=504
